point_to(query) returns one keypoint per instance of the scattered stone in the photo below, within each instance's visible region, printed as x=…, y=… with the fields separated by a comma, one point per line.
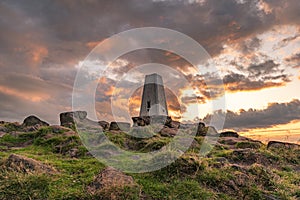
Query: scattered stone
x=104, y=125
x=201, y=130
x=286, y=145
x=229, y=134
x=33, y=121
x=3, y=129
x=67, y=118
x=117, y=126
x=168, y=132
x=109, y=178
x=173, y=124
x=27, y=165
x=141, y=121
x=228, y=141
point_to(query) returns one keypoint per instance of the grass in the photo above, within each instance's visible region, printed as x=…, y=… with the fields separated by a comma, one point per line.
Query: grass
x=189, y=177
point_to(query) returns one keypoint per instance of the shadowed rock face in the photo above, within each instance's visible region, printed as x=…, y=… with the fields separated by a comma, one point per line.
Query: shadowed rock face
x=229, y=134
x=104, y=125
x=67, y=118
x=33, y=121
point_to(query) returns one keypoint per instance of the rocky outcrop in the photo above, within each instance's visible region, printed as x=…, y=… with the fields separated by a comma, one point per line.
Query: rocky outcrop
x=67, y=118
x=117, y=126
x=277, y=144
x=229, y=134
x=104, y=125
x=201, y=129
x=156, y=119
x=109, y=178
x=27, y=165
x=33, y=121
x=141, y=121
x=3, y=129
x=168, y=132
x=173, y=124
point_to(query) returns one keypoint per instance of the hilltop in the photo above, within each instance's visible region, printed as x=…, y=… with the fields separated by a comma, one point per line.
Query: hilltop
x=42, y=161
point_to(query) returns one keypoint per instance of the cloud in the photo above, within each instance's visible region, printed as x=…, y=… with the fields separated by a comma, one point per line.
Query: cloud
x=274, y=114
x=43, y=41
x=256, y=77
x=294, y=60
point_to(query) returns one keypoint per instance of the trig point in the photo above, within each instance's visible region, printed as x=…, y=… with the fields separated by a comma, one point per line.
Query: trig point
x=154, y=98
x=154, y=105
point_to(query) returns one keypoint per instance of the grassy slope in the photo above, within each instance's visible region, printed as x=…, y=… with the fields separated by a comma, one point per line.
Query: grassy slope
x=190, y=177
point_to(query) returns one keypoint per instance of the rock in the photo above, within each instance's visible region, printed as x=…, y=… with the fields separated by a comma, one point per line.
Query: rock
x=168, y=132
x=212, y=131
x=104, y=125
x=2, y=134
x=109, y=178
x=228, y=141
x=59, y=129
x=3, y=129
x=201, y=130
x=141, y=121
x=27, y=165
x=229, y=134
x=33, y=121
x=67, y=118
x=174, y=124
x=74, y=153
x=117, y=126
x=160, y=119
x=286, y=145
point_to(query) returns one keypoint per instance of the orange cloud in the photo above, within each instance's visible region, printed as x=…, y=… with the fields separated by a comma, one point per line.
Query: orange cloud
x=38, y=54
x=93, y=44
x=27, y=96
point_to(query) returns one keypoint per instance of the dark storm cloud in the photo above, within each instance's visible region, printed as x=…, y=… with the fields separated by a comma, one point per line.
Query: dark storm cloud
x=274, y=114
x=238, y=82
x=264, y=68
x=256, y=77
x=48, y=38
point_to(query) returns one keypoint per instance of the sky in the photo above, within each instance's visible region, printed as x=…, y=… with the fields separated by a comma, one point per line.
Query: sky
x=255, y=45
